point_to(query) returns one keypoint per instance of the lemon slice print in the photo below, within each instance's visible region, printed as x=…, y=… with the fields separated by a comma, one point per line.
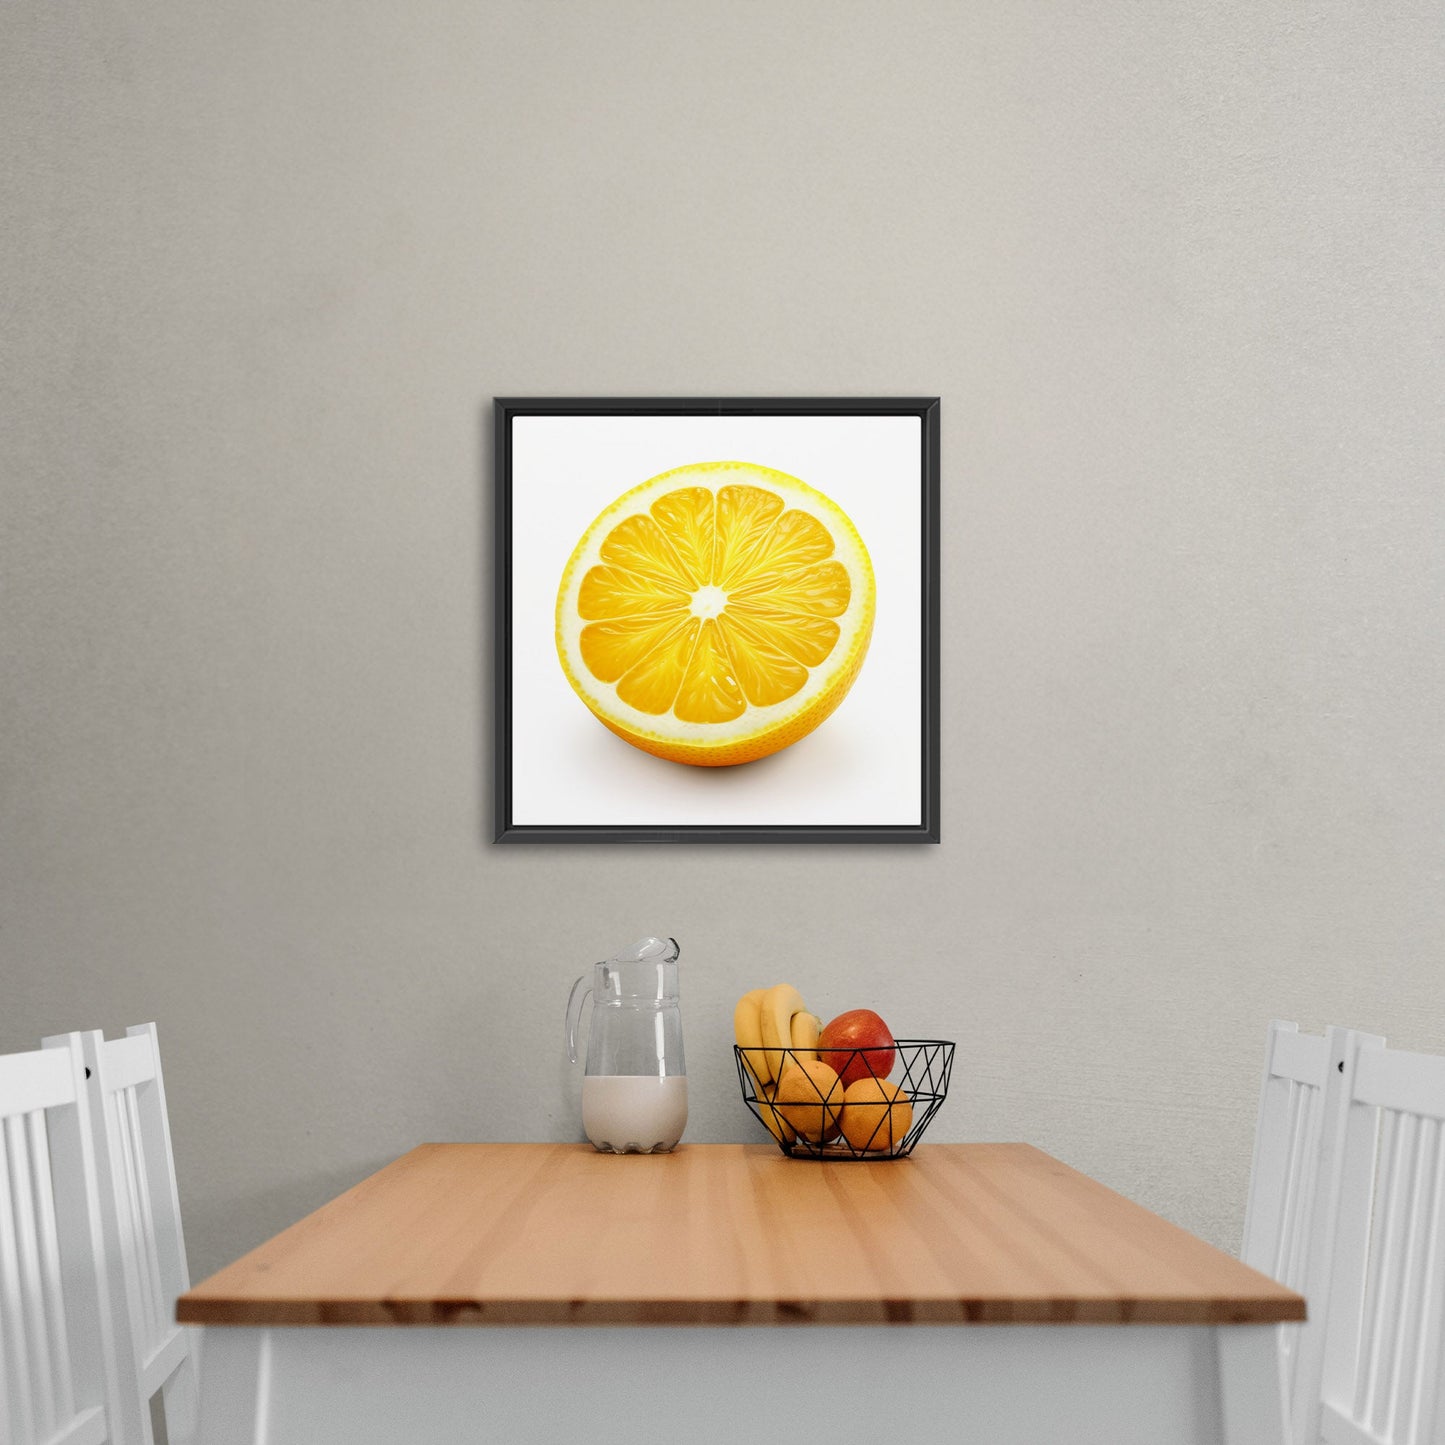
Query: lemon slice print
x=716, y=613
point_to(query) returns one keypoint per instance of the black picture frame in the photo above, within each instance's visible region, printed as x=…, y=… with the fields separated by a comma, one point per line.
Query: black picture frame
x=507, y=409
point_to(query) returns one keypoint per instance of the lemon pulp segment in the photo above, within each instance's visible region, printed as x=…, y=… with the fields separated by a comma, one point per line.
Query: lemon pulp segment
x=716, y=613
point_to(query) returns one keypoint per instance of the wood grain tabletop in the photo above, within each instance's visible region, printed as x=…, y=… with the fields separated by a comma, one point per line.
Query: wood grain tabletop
x=476, y=1234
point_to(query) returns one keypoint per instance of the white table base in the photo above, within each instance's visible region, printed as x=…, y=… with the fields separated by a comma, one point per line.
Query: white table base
x=625, y=1385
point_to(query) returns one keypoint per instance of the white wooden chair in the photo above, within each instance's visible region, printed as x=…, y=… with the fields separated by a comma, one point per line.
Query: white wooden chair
x=1286, y=1149
x=1372, y=1372
x=1283, y=1233
x=145, y=1245
x=58, y=1375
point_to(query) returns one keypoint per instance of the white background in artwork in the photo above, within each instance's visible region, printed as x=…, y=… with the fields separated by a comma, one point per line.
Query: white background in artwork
x=861, y=766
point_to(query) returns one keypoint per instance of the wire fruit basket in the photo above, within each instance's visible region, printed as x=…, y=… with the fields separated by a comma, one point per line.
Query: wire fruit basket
x=813, y=1120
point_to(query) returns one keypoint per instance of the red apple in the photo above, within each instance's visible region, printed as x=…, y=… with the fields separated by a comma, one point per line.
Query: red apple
x=859, y=1028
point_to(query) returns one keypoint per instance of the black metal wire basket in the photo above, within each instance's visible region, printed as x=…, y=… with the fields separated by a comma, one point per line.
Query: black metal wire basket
x=812, y=1125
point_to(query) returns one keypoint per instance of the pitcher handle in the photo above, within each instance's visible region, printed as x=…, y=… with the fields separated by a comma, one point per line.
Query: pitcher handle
x=575, y=1000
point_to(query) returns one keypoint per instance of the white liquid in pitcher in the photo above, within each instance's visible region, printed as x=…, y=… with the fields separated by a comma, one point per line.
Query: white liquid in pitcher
x=634, y=1113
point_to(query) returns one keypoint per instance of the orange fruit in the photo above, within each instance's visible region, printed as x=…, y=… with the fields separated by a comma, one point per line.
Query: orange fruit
x=876, y=1114
x=778, y=1126
x=810, y=1098
x=716, y=613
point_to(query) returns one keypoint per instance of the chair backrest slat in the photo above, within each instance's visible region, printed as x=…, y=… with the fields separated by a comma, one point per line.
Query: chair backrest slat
x=1410, y=1359
x=134, y=1246
x=150, y=1238
x=1298, y=1200
x=1398, y=1386
x=12, y=1299
x=1427, y=1387
x=1385, y=1211
x=43, y=1342
x=52, y=1287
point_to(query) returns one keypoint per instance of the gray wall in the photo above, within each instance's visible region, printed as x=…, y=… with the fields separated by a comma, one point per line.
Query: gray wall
x=1176, y=272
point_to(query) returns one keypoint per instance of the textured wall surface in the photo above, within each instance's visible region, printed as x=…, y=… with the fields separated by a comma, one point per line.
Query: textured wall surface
x=1176, y=272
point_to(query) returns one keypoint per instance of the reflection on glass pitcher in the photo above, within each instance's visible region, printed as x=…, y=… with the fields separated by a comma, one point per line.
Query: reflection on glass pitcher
x=634, y=1092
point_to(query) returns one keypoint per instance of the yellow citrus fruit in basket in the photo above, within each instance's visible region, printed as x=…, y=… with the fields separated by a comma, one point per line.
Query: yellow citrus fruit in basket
x=809, y=1096
x=876, y=1114
x=778, y=1126
x=716, y=613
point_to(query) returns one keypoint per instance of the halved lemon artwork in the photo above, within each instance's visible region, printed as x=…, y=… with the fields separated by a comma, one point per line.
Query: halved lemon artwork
x=716, y=613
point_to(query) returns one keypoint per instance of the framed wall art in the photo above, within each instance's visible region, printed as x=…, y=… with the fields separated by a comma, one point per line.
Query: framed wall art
x=717, y=620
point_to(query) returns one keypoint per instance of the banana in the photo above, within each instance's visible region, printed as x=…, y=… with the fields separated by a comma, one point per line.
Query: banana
x=747, y=1033
x=804, y=1030
x=776, y=1010
x=768, y=1021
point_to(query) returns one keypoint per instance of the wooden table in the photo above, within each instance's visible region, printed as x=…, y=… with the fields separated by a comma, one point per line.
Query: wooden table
x=1099, y=1321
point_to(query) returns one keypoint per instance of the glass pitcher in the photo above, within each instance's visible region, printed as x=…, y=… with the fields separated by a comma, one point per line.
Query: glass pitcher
x=634, y=1092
